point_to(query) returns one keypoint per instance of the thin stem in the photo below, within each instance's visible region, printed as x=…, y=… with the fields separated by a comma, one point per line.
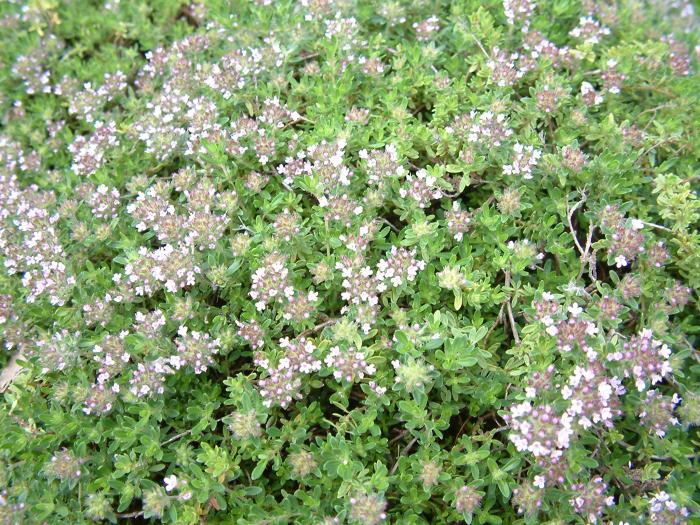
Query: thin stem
x=481, y=46
x=569, y=215
x=183, y=434
x=318, y=327
x=394, y=228
x=405, y=449
x=657, y=226
x=511, y=318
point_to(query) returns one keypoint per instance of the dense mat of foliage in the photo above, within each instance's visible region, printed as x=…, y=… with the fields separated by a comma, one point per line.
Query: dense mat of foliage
x=328, y=262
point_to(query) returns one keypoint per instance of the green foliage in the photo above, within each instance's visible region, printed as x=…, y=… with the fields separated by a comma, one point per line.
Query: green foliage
x=349, y=262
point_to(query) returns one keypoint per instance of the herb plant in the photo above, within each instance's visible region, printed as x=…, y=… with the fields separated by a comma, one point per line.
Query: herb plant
x=349, y=262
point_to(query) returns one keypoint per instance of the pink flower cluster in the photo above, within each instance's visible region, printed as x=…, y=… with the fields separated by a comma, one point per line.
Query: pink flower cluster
x=657, y=412
x=524, y=159
x=421, y=187
x=519, y=11
x=539, y=429
x=590, y=500
x=644, y=359
x=90, y=100
x=270, y=282
x=382, y=164
x=170, y=268
x=29, y=239
x=324, y=161
x=282, y=383
x=89, y=153
x=593, y=397
x=349, y=364
x=194, y=349
x=663, y=510
x=589, y=30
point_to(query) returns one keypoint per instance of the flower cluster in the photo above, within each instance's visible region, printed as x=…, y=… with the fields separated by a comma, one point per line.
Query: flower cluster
x=467, y=500
x=458, y=221
x=30, y=240
x=398, y=268
x=626, y=242
x=524, y=159
x=505, y=67
x=89, y=153
x=194, y=349
x=64, y=466
x=657, y=412
x=382, y=164
x=245, y=425
x=527, y=499
x=170, y=268
x=643, y=358
x=111, y=355
x=539, y=430
x=148, y=378
x=589, y=30
x=426, y=29
x=590, y=500
x=270, y=283
x=593, y=397
x=282, y=383
x=519, y=11
x=102, y=200
x=349, y=364
x=662, y=509
x=367, y=509
x=90, y=100
x=421, y=187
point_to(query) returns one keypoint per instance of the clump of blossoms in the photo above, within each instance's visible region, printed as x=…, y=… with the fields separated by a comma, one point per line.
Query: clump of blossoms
x=89, y=152
x=245, y=425
x=421, y=187
x=348, y=365
x=589, y=30
x=194, y=349
x=270, y=282
x=282, y=382
x=64, y=465
x=91, y=100
x=426, y=28
x=594, y=397
x=148, y=378
x=382, y=164
x=505, y=67
x=539, y=429
x=662, y=509
x=519, y=11
x=590, y=499
x=367, y=509
x=170, y=268
x=657, y=412
x=467, y=500
x=527, y=499
x=399, y=267
x=525, y=158
x=644, y=359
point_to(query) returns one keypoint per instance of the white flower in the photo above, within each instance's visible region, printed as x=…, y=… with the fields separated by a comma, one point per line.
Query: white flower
x=170, y=483
x=575, y=310
x=620, y=261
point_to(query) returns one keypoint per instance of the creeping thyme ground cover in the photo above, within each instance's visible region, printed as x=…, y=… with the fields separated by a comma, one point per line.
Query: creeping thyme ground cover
x=342, y=262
